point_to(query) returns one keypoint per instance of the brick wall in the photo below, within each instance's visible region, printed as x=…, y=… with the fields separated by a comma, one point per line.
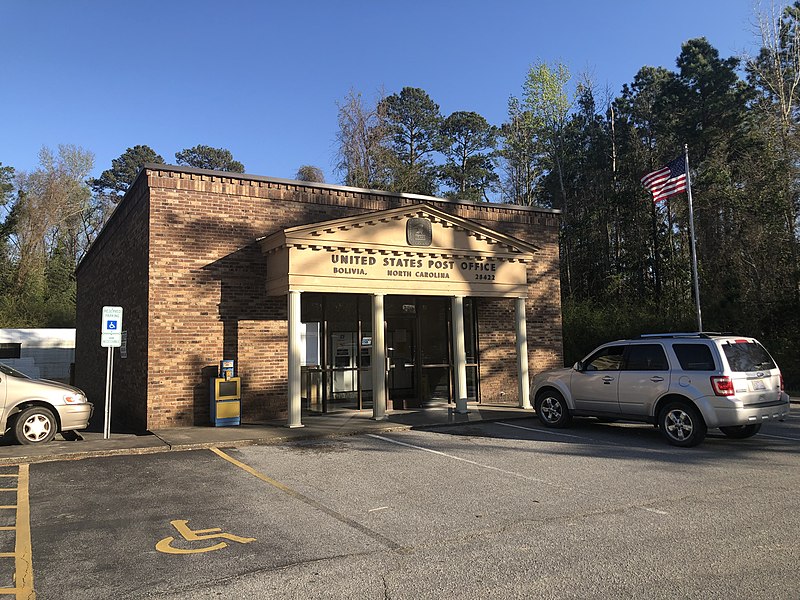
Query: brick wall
x=205, y=291
x=114, y=273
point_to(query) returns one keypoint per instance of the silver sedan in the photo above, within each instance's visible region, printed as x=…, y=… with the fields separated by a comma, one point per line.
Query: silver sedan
x=34, y=410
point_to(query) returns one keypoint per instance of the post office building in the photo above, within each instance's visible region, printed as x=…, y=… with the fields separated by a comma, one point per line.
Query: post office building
x=327, y=298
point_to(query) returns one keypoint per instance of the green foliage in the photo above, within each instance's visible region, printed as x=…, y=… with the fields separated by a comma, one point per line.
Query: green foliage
x=520, y=156
x=206, y=157
x=588, y=323
x=45, y=231
x=6, y=183
x=546, y=105
x=626, y=266
x=310, y=173
x=412, y=121
x=468, y=142
x=123, y=171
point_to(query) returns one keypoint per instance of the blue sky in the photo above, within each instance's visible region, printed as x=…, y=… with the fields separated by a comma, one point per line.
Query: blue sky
x=262, y=78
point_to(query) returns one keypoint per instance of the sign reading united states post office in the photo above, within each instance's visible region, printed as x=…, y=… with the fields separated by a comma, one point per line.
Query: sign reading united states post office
x=376, y=253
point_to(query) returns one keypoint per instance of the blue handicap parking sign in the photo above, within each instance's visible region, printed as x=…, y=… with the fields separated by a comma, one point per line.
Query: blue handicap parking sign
x=111, y=325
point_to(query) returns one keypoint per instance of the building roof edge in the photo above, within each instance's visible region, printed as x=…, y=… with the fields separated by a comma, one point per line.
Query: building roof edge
x=344, y=188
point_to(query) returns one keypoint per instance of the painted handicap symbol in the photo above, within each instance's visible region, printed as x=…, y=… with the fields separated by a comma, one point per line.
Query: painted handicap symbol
x=198, y=535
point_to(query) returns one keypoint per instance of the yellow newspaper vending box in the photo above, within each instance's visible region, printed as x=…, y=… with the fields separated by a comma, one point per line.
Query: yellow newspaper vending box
x=226, y=397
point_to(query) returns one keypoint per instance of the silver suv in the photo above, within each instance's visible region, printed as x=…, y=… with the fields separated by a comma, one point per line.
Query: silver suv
x=683, y=383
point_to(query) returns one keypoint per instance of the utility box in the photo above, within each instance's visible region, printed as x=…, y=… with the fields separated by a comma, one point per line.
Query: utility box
x=226, y=401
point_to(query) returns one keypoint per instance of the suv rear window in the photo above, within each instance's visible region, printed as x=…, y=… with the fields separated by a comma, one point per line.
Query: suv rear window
x=694, y=357
x=747, y=356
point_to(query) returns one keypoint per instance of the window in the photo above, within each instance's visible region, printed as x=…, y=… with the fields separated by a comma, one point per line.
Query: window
x=694, y=357
x=747, y=356
x=6, y=370
x=9, y=350
x=605, y=359
x=646, y=357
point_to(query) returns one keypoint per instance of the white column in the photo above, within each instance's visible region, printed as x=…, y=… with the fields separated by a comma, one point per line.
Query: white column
x=457, y=318
x=378, y=359
x=523, y=391
x=294, y=360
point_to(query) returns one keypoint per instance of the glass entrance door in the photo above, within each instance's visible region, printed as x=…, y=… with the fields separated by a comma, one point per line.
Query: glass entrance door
x=434, y=349
x=336, y=352
x=401, y=349
x=418, y=347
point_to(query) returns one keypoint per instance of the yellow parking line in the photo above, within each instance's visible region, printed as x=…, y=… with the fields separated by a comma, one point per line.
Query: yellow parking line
x=391, y=544
x=253, y=472
x=24, y=561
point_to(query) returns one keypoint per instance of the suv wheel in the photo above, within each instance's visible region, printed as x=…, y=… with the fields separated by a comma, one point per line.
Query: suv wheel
x=35, y=425
x=740, y=432
x=552, y=409
x=682, y=424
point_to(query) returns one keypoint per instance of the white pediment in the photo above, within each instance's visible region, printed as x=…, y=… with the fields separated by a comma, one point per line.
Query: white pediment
x=411, y=249
x=388, y=231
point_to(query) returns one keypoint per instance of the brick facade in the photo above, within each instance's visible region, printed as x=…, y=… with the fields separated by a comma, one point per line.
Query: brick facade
x=180, y=256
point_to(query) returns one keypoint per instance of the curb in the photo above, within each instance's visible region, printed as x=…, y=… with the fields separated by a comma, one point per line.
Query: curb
x=241, y=443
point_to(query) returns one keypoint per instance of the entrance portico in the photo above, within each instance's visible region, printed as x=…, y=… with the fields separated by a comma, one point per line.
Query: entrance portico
x=418, y=272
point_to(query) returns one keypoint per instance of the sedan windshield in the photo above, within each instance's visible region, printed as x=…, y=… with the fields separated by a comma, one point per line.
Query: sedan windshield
x=6, y=370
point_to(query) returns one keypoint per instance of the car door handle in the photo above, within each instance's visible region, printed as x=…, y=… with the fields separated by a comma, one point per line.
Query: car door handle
x=607, y=379
x=656, y=379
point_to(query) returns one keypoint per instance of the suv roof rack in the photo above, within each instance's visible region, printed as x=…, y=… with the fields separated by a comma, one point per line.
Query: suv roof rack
x=685, y=334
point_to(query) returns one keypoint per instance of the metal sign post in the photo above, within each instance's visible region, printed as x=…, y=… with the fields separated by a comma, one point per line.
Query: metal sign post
x=110, y=337
x=109, y=379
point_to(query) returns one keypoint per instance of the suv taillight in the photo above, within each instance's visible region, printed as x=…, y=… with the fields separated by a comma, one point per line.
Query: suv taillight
x=723, y=385
x=783, y=389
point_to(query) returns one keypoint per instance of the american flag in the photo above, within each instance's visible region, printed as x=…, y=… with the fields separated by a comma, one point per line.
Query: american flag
x=667, y=181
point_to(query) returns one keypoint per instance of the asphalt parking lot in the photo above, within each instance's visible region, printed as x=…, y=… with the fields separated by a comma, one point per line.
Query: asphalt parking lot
x=501, y=509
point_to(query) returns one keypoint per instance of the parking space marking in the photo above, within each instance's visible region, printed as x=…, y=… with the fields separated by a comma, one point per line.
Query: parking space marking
x=198, y=535
x=23, y=555
x=466, y=460
x=654, y=510
x=779, y=437
x=392, y=545
x=558, y=433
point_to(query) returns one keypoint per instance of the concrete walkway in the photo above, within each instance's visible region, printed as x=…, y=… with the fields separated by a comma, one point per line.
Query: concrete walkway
x=92, y=444
x=268, y=432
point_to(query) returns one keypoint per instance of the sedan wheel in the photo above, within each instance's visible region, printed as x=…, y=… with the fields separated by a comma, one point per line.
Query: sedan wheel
x=552, y=409
x=35, y=425
x=682, y=424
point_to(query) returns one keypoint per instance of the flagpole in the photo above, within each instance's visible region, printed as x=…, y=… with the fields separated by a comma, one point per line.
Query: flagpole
x=691, y=234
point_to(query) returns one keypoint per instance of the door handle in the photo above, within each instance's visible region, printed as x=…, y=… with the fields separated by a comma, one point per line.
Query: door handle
x=656, y=379
x=607, y=379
